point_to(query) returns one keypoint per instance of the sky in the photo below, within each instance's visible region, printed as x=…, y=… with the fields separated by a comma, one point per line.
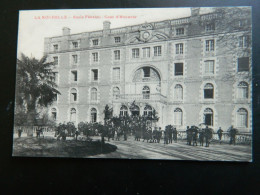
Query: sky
x=35, y=25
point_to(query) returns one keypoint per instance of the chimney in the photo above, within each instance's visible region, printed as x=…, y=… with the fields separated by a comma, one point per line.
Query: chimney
x=195, y=11
x=65, y=31
x=106, y=25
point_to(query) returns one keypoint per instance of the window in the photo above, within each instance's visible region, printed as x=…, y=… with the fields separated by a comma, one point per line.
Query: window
x=210, y=27
x=117, y=39
x=242, y=23
x=178, y=92
x=178, y=70
x=73, y=115
x=93, y=113
x=180, y=31
x=135, y=53
x=123, y=111
x=148, y=111
x=73, y=95
x=54, y=114
x=117, y=55
x=242, y=118
x=116, y=74
x=55, y=97
x=54, y=77
x=157, y=50
x=208, y=117
x=243, y=41
x=116, y=92
x=74, y=59
x=209, y=67
x=55, y=60
x=243, y=64
x=147, y=72
x=93, y=94
x=210, y=45
x=95, y=57
x=208, y=91
x=94, y=74
x=74, y=75
x=75, y=44
x=146, y=92
x=179, y=48
x=146, y=52
x=95, y=42
x=242, y=90
x=178, y=117
x=55, y=47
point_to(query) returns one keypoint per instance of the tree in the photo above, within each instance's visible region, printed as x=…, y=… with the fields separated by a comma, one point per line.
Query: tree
x=34, y=85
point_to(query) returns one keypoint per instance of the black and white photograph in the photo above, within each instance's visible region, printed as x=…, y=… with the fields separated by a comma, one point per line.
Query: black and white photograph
x=146, y=83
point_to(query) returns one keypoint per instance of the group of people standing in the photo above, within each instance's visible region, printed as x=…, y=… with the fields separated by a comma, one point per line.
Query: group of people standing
x=195, y=134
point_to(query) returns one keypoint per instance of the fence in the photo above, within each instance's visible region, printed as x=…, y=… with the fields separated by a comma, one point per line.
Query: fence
x=27, y=129
x=241, y=138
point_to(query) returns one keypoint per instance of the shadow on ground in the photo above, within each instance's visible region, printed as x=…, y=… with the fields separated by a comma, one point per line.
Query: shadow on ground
x=49, y=147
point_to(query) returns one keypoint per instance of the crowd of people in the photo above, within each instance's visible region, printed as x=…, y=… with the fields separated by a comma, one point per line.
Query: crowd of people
x=194, y=134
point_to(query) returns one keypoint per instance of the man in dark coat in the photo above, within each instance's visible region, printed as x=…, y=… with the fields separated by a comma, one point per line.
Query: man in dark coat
x=174, y=134
x=194, y=135
x=232, y=133
x=208, y=135
x=201, y=136
x=20, y=132
x=189, y=135
x=76, y=134
x=220, y=133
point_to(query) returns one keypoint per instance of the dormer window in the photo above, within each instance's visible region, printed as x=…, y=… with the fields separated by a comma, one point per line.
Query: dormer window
x=95, y=42
x=210, y=27
x=180, y=31
x=75, y=44
x=55, y=47
x=117, y=39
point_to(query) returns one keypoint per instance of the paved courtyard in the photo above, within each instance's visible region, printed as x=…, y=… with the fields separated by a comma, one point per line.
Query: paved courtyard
x=178, y=151
x=175, y=151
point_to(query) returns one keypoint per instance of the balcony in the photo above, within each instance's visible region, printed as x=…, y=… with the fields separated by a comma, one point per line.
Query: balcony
x=157, y=97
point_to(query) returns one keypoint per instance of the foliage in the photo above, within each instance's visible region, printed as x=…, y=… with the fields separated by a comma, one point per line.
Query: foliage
x=70, y=127
x=34, y=84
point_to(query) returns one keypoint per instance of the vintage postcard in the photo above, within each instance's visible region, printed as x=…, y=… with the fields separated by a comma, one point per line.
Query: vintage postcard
x=160, y=83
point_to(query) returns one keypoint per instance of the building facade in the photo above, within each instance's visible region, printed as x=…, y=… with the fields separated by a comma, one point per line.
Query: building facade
x=189, y=70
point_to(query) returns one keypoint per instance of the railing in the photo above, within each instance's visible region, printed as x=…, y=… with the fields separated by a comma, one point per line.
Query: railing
x=241, y=138
x=141, y=97
x=210, y=16
x=180, y=21
x=26, y=129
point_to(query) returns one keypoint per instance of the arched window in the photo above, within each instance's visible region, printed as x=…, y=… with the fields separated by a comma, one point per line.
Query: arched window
x=146, y=92
x=242, y=118
x=178, y=115
x=208, y=91
x=93, y=94
x=73, y=115
x=93, y=114
x=73, y=95
x=123, y=111
x=148, y=111
x=178, y=92
x=208, y=117
x=54, y=114
x=116, y=92
x=242, y=92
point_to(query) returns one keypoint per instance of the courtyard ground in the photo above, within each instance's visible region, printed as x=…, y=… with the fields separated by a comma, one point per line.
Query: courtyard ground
x=132, y=149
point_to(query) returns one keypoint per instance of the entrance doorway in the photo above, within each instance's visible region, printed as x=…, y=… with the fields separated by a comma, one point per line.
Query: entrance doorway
x=135, y=111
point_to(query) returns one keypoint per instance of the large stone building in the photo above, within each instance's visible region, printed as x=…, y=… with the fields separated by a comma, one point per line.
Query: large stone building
x=190, y=70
